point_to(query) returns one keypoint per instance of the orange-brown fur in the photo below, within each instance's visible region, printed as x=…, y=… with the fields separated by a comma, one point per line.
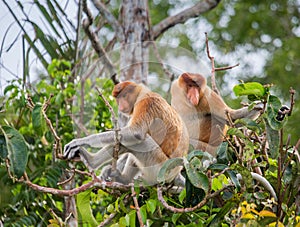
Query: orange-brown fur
x=205, y=118
x=149, y=107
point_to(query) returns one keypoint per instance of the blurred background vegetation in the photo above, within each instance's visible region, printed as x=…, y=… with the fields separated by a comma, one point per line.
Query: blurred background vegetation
x=262, y=36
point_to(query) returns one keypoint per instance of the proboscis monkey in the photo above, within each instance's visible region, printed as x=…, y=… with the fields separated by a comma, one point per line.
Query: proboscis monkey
x=203, y=111
x=154, y=133
x=205, y=115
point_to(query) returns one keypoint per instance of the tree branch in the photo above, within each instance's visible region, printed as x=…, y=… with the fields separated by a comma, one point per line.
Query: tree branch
x=116, y=129
x=183, y=16
x=188, y=209
x=87, y=22
x=137, y=207
x=110, y=18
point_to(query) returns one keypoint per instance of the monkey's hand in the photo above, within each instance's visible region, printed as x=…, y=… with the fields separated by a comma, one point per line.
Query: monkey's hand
x=72, y=149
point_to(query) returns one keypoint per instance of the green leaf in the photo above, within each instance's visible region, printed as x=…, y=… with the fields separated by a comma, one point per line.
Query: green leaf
x=236, y=132
x=38, y=121
x=249, y=123
x=17, y=150
x=197, y=178
x=3, y=148
x=168, y=166
x=143, y=212
x=175, y=217
x=9, y=88
x=245, y=173
x=182, y=196
x=250, y=88
x=234, y=179
x=151, y=205
x=84, y=208
x=216, y=221
x=273, y=138
x=273, y=106
x=132, y=218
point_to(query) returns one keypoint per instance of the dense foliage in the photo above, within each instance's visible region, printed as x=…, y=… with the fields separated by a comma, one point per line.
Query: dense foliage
x=63, y=101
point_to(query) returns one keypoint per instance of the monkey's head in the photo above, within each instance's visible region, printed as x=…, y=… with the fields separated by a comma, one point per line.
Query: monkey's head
x=193, y=85
x=126, y=94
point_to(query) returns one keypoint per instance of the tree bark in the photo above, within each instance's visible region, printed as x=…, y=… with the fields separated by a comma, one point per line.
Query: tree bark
x=134, y=49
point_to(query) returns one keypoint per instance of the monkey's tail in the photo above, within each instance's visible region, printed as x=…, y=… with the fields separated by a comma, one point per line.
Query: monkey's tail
x=263, y=181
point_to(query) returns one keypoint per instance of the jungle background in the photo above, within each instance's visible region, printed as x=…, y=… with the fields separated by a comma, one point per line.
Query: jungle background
x=49, y=70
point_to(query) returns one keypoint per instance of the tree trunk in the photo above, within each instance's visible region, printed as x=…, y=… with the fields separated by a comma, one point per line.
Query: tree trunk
x=135, y=50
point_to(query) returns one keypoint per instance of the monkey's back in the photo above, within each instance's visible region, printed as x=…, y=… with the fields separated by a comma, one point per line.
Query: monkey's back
x=162, y=123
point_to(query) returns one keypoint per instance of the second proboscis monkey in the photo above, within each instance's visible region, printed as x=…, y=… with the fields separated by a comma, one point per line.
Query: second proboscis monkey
x=203, y=111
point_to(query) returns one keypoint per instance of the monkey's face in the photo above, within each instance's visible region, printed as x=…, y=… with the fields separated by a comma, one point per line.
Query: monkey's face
x=125, y=105
x=192, y=84
x=126, y=94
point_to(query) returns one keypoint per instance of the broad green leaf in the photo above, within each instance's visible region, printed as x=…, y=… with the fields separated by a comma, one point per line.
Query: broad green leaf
x=38, y=121
x=273, y=138
x=236, y=132
x=252, y=89
x=195, y=153
x=197, y=178
x=175, y=217
x=84, y=208
x=182, y=196
x=16, y=149
x=3, y=148
x=273, y=106
x=132, y=218
x=218, y=167
x=167, y=167
x=123, y=222
x=151, y=205
x=249, y=123
x=245, y=173
x=9, y=88
x=216, y=221
x=222, y=153
x=143, y=212
x=234, y=179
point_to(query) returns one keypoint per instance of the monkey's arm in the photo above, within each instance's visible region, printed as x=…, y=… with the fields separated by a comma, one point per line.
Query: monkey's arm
x=136, y=141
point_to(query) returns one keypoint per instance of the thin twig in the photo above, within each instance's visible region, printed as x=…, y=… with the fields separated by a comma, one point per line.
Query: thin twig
x=137, y=207
x=116, y=129
x=87, y=22
x=57, y=146
x=189, y=209
x=110, y=18
x=227, y=67
x=292, y=92
x=213, y=68
x=108, y=220
x=212, y=60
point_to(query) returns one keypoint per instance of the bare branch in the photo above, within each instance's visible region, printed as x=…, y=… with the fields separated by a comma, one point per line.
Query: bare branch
x=292, y=93
x=96, y=182
x=137, y=207
x=212, y=59
x=57, y=146
x=183, y=16
x=110, y=18
x=188, y=209
x=96, y=43
x=227, y=67
x=214, y=69
x=116, y=129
